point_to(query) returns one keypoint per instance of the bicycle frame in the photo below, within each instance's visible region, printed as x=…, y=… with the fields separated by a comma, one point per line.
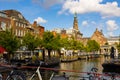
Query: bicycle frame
x=0, y=77
x=38, y=73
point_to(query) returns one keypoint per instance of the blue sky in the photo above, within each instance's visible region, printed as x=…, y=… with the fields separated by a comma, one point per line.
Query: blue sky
x=92, y=14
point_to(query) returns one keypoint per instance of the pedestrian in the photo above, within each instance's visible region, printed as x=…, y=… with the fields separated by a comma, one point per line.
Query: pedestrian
x=112, y=53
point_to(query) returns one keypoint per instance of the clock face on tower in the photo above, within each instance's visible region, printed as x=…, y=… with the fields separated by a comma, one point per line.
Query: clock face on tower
x=3, y=25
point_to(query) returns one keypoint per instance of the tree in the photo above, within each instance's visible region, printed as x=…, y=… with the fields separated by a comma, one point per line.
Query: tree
x=31, y=41
x=9, y=41
x=80, y=46
x=92, y=45
x=48, y=42
x=64, y=42
x=57, y=45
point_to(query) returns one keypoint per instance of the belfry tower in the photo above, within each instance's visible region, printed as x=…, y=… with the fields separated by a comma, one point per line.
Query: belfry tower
x=75, y=23
x=76, y=33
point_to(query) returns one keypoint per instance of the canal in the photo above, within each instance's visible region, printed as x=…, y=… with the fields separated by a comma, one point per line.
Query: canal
x=80, y=66
x=74, y=69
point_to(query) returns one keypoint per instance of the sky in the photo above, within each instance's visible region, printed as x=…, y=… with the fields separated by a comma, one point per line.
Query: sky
x=91, y=14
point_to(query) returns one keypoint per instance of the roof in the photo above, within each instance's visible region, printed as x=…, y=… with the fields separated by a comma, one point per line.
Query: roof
x=15, y=14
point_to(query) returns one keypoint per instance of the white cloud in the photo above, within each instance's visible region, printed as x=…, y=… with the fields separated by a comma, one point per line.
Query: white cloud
x=40, y=20
x=108, y=9
x=110, y=34
x=111, y=25
x=84, y=23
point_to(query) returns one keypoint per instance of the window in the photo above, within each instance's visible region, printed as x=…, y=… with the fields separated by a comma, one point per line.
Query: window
x=3, y=26
x=20, y=16
x=16, y=32
x=24, y=33
x=3, y=15
x=21, y=33
x=16, y=23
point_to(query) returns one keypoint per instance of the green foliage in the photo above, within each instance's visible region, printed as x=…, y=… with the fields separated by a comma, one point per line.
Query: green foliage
x=106, y=43
x=48, y=40
x=56, y=41
x=80, y=46
x=31, y=41
x=76, y=45
x=71, y=44
x=64, y=43
x=92, y=45
x=9, y=41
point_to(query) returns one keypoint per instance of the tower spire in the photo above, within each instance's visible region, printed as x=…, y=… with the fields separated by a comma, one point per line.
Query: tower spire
x=75, y=23
x=75, y=14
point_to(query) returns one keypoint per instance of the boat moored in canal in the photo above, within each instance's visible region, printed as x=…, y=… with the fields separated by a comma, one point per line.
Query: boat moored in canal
x=111, y=66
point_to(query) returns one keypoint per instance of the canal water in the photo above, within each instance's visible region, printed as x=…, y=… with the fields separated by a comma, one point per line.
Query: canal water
x=72, y=68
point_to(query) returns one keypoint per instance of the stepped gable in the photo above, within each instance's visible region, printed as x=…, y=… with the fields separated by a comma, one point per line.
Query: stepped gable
x=14, y=14
x=99, y=37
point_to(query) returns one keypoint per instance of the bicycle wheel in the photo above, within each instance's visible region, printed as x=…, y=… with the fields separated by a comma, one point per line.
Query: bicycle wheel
x=91, y=77
x=16, y=75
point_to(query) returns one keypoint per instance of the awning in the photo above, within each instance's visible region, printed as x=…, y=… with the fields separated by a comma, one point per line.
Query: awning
x=2, y=50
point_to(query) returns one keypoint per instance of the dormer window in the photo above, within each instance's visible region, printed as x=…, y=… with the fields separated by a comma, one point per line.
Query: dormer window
x=20, y=16
x=3, y=26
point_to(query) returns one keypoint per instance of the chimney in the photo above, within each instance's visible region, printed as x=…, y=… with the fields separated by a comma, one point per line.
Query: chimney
x=35, y=24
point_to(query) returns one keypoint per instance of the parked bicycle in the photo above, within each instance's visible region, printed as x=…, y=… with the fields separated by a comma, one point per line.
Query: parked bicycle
x=13, y=75
x=110, y=76
x=92, y=75
x=16, y=74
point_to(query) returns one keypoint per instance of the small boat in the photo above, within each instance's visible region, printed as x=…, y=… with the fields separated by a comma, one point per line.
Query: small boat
x=68, y=60
x=111, y=66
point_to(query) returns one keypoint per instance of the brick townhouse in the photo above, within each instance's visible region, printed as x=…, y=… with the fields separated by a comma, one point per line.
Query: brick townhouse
x=15, y=20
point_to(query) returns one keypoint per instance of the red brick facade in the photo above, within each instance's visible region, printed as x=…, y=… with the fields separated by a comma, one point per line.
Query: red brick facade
x=20, y=26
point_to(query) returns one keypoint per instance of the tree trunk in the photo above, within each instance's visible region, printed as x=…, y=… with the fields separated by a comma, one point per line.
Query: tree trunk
x=49, y=56
x=8, y=57
x=43, y=54
x=59, y=53
x=32, y=53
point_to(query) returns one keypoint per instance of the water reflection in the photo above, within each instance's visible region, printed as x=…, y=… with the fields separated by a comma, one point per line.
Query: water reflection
x=79, y=66
x=83, y=65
